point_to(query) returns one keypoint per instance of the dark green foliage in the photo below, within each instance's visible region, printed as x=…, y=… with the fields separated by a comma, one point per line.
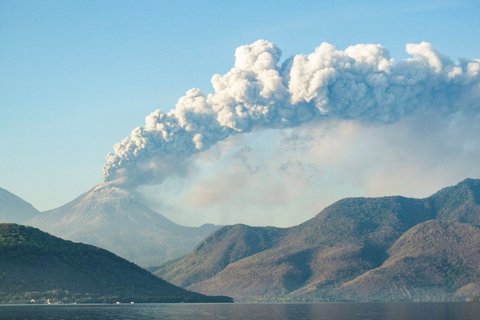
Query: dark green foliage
x=36, y=265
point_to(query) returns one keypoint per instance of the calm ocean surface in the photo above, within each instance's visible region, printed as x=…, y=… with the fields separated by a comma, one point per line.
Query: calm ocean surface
x=334, y=311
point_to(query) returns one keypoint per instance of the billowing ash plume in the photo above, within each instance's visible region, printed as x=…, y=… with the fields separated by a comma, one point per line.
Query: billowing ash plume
x=361, y=82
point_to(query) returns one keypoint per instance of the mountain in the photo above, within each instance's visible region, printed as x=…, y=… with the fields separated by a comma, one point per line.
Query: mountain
x=432, y=258
x=357, y=249
x=14, y=209
x=36, y=265
x=118, y=220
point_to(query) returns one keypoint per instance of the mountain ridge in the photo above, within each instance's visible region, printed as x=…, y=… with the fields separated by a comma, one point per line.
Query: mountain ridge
x=316, y=259
x=14, y=209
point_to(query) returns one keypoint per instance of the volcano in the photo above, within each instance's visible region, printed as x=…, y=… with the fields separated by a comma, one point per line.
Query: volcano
x=118, y=220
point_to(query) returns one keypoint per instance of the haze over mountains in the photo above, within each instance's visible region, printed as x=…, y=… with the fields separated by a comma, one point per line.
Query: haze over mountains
x=112, y=218
x=357, y=249
x=372, y=249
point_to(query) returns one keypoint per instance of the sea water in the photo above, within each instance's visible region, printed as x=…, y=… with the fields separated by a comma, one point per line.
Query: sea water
x=327, y=311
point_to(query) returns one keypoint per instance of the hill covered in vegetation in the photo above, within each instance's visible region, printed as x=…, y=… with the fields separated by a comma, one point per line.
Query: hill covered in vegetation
x=36, y=265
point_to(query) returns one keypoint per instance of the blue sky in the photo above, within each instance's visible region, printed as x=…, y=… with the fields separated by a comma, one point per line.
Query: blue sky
x=77, y=76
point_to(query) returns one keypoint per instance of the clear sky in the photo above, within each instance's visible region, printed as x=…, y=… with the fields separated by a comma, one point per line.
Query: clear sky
x=78, y=76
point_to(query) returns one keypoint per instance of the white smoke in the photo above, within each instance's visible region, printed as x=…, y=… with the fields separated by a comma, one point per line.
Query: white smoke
x=283, y=177
x=360, y=83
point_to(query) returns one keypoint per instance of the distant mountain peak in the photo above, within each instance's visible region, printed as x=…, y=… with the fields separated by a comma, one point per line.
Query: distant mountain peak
x=14, y=209
x=470, y=184
x=105, y=192
x=119, y=220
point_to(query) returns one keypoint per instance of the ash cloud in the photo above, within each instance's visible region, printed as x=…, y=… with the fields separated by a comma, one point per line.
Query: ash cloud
x=361, y=83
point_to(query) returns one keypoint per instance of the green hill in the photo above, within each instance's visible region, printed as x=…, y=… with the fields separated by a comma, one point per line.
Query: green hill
x=36, y=265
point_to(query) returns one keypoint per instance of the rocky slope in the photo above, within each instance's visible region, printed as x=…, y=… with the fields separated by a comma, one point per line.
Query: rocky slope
x=368, y=249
